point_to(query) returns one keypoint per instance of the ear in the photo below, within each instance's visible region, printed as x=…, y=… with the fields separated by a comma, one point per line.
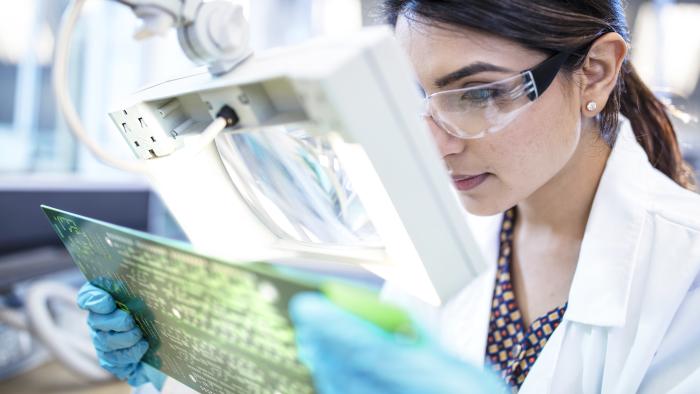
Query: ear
x=601, y=69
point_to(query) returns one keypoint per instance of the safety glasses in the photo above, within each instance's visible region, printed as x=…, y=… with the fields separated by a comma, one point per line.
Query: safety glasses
x=476, y=111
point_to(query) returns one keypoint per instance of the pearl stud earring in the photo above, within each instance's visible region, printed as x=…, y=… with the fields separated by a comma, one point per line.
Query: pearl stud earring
x=591, y=106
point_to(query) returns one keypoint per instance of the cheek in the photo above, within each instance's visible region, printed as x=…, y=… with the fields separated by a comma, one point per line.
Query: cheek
x=540, y=145
x=528, y=154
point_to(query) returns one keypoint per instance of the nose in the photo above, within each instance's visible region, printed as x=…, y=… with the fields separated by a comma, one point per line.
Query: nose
x=447, y=143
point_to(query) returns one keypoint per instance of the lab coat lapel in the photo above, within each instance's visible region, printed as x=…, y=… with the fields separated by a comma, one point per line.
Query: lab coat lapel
x=602, y=282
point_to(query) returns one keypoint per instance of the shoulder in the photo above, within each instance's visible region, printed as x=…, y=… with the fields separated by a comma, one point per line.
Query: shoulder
x=635, y=182
x=673, y=203
x=672, y=234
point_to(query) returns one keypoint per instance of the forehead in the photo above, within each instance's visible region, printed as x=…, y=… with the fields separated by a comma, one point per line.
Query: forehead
x=436, y=50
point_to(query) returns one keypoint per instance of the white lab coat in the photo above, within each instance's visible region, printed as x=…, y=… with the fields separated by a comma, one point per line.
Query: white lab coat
x=633, y=312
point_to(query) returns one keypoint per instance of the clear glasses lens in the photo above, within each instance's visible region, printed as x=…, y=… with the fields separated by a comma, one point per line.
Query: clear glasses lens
x=475, y=111
x=294, y=182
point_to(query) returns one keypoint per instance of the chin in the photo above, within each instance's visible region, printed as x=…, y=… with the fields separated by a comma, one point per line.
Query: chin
x=483, y=205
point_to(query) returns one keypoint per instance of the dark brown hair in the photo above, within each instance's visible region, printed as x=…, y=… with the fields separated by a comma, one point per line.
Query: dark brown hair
x=553, y=26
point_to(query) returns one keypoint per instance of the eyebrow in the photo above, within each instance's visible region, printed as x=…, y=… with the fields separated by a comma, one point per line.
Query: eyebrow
x=474, y=68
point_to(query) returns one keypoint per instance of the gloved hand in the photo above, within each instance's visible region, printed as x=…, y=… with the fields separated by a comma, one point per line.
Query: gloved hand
x=351, y=356
x=117, y=339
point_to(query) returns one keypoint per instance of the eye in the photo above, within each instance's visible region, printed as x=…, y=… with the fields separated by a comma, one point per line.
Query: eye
x=481, y=96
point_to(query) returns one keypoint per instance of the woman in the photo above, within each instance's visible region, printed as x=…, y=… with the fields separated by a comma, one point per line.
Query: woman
x=595, y=284
x=580, y=198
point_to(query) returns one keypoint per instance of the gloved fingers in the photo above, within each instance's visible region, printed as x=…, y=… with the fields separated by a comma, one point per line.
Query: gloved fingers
x=426, y=370
x=107, y=341
x=307, y=352
x=137, y=377
x=123, y=357
x=313, y=352
x=319, y=322
x=96, y=300
x=122, y=372
x=349, y=355
x=431, y=374
x=368, y=372
x=118, y=320
x=326, y=380
x=144, y=373
x=156, y=377
x=339, y=378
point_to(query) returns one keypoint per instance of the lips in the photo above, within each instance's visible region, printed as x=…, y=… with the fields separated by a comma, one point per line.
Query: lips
x=469, y=182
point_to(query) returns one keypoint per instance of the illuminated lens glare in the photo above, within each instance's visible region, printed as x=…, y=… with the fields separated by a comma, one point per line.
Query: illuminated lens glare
x=295, y=184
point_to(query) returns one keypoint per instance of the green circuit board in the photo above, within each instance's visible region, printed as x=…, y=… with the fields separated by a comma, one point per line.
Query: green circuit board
x=216, y=327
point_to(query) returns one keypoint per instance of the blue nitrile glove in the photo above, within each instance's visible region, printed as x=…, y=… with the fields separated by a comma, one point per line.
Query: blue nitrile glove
x=352, y=356
x=117, y=339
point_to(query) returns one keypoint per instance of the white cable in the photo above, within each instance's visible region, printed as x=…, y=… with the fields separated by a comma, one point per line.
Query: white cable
x=14, y=319
x=75, y=353
x=207, y=136
x=63, y=99
x=65, y=103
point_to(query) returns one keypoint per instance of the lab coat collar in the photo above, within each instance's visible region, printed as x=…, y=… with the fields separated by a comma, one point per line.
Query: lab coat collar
x=601, y=287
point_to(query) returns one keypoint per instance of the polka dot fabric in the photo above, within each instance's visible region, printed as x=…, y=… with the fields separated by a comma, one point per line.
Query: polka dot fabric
x=512, y=349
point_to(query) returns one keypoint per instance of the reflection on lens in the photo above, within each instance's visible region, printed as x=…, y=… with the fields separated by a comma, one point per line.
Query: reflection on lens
x=295, y=184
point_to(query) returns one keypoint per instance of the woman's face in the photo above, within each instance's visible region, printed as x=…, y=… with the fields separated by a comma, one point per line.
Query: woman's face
x=506, y=167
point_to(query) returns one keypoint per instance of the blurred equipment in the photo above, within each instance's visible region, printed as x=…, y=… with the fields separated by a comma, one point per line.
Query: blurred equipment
x=667, y=45
x=27, y=230
x=19, y=352
x=47, y=323
x=38, y=317
x=323, y=155
x=666, y=52
x=212, y=32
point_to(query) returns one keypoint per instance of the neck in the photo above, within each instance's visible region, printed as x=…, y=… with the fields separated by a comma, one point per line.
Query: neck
x=563, y=204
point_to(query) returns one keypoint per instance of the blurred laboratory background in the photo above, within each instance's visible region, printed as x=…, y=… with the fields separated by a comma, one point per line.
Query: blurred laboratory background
x=41, y=163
